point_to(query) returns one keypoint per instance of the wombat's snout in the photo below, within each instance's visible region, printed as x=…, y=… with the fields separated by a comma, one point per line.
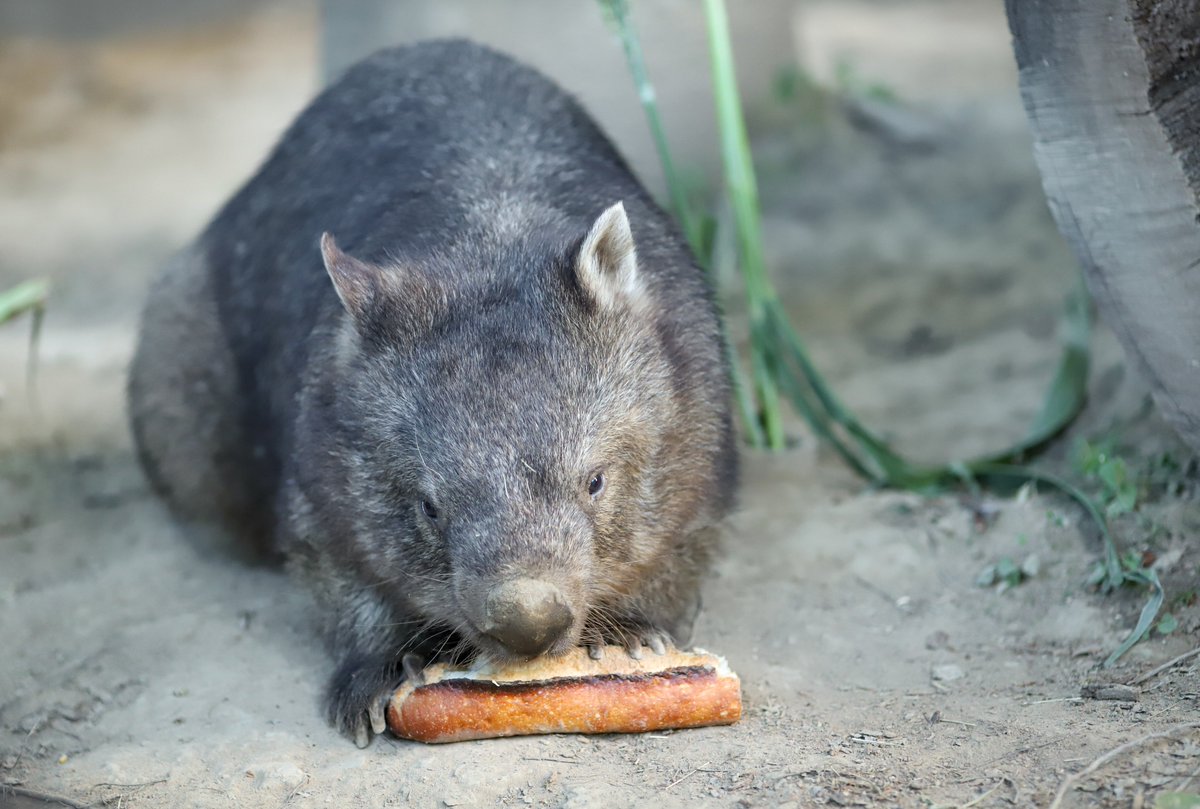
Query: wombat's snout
x=527, y=616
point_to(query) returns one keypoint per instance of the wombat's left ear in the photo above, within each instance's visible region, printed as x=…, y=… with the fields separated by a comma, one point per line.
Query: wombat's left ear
x=357, y=282
x=607, y=263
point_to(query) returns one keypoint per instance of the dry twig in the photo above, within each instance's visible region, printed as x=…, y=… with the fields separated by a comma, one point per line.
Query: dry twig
x=53, y=800
x=1169, y=664
x=1183, y=787
x=685, y=776
x=1074, y=778
x=956, y=722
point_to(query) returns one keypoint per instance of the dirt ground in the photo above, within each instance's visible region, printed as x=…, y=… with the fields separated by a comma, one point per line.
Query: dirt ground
x=914, y=248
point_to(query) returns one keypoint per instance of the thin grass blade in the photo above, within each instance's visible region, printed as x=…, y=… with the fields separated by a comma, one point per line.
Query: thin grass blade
x=27, y=296
x=693, y=228
x=1145, y=620
x=1068, y=390
x=742, y=191
x=699, y=231
x=1015, y=473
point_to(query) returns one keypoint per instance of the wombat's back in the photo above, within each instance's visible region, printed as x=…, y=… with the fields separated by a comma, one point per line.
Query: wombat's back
x=439, y=152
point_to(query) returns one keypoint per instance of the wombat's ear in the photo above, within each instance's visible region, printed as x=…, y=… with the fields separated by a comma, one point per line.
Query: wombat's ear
x=357, y=282
x=607, y=263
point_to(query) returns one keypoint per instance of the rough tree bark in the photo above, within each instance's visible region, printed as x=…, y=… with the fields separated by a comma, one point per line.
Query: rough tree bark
x=1112, y=90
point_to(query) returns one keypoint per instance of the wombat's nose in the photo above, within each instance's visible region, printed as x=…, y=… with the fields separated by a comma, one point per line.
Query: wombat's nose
x=527, y=615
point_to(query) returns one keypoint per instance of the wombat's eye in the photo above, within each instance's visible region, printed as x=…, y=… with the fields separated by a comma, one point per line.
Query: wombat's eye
x=595, y=484
x=429, y=510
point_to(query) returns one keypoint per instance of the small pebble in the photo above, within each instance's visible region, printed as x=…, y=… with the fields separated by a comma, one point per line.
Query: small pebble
x=948, y=673
x=937, y=640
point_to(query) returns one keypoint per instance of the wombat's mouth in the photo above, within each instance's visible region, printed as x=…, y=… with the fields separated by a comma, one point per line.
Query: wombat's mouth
x=491, y=651
x=522, y=618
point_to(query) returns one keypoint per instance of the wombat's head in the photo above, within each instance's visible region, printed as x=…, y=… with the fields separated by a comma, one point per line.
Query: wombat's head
x=514, y=431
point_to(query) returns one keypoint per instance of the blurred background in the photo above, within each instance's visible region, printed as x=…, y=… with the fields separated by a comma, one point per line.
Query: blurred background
x=903, y=213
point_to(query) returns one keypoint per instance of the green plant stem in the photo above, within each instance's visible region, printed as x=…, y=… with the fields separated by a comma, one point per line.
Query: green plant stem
x=743, y=197
x=768, y=397
x=1114, y=575
x=688, y=221
x=736, y=158
x=750, y=423
x=780, y=364
x=1019, y=474
x=1068, y=390
x=27, y=297
x=1145, y=617
x=619, y=9
x=798, y=396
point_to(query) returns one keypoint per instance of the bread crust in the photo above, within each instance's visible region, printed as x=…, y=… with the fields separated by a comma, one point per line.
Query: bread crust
x=569, y=694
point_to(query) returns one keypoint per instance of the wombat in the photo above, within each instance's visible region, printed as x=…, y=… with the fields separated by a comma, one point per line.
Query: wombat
x=446, y=355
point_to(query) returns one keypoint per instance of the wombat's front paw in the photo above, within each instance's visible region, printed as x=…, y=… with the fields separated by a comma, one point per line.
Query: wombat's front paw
x=359, y=693
x=633, y=638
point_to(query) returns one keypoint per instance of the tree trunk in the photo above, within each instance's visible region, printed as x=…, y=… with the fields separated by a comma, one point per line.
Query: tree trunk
x=1112, y=90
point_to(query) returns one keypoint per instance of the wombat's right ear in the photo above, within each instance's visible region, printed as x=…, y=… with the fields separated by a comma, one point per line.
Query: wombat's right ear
x=607, y=263
x=357, y=282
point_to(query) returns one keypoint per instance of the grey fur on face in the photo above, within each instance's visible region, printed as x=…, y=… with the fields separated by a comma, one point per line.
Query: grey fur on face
x=445, y=355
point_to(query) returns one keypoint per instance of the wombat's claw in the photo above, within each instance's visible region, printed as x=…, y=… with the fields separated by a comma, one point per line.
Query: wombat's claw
x=633, y=640
x=373, y=721
x=657, y=640
x=358, y=699
x=377, y=713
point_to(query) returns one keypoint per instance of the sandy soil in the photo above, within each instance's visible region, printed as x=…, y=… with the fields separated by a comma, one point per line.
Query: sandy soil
x=927, y=274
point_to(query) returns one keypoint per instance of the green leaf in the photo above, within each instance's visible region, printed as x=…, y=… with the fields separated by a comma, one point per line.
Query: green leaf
x=1177, y=800
x=1068, y=389
x=1110, y=574
x=785, y=82
x=880, y=92
x=28, y=296
x=1088, y=458
x=1114, y=474
x=1167, y=624
x=1145, y=620
x=1008, y=571
x=1131, y=561
x=1122, y=502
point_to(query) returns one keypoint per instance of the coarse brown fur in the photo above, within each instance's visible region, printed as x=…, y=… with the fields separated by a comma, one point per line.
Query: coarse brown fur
x=515, y=374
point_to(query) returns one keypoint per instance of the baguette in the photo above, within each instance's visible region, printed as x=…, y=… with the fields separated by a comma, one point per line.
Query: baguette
x=568, y=694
